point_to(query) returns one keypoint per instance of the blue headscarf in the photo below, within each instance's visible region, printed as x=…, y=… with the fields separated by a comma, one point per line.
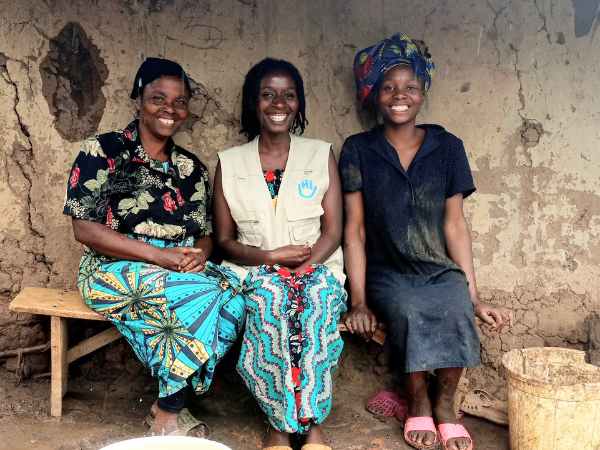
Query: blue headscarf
x=371, y=63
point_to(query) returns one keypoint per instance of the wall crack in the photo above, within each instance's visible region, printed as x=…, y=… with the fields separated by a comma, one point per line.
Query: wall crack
x=23, y=155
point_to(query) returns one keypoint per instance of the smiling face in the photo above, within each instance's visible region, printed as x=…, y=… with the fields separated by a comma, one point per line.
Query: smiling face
x=277, y=103
x=164, y=107
x=400, y=96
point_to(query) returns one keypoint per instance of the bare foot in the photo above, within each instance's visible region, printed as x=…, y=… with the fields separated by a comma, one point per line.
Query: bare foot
x=447, y=382
x=444, y=413
x=419, y=405
x=275, y=438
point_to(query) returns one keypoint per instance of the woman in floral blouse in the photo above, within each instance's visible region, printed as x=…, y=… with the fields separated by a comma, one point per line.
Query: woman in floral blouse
x=139, y=205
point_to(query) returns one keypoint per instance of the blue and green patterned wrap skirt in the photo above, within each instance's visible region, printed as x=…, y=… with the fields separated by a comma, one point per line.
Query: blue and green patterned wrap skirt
x=178, y=324
x=291, y=343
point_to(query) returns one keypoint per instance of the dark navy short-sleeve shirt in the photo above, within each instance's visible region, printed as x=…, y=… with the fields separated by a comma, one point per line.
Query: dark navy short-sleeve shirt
x=404, y=210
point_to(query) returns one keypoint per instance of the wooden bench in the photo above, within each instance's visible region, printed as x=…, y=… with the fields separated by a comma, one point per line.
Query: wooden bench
x=61, y=305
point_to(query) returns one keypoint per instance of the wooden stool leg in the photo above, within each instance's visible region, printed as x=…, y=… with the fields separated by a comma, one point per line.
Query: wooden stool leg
x=60, y=367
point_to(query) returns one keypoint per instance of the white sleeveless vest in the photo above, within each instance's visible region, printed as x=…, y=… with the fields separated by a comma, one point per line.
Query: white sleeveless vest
x=297, y=218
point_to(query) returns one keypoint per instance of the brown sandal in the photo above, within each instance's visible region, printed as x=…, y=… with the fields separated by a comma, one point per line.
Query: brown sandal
x=479, y=403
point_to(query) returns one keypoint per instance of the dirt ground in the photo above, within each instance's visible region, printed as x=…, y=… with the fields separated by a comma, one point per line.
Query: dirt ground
x=107, y=402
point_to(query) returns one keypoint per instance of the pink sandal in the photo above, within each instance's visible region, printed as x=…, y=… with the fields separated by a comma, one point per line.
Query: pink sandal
x=387, y=404
x=421, y=423
x=452, y=431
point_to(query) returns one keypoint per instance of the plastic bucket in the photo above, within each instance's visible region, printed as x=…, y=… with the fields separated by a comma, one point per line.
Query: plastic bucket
x=167, y=443
x=553, y=399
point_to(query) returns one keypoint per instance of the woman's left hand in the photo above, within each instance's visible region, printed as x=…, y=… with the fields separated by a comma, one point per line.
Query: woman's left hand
x=193, y=261
x=496, y=318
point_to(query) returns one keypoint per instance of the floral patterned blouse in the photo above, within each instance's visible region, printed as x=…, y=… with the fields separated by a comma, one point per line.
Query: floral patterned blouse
x=273, y=179
x=113, y=181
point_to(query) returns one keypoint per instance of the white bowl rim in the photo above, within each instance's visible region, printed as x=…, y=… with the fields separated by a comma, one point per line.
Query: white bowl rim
x=166, y=439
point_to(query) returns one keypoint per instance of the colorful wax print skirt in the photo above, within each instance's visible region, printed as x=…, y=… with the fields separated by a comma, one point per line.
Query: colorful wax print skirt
x=291, y=344
x=178, y=324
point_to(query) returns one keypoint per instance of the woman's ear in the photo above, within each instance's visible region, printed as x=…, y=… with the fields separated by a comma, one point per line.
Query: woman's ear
x=138, y=107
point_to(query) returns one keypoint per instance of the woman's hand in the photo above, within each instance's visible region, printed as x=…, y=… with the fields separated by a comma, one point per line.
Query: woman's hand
x=180, y=258
x=496, y=318
x=290, y=256
x=194, y=260
x=361, y=320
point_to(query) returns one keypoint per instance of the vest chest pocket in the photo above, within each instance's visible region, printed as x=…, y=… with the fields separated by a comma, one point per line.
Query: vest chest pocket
x=304, y=224
x=248, y=229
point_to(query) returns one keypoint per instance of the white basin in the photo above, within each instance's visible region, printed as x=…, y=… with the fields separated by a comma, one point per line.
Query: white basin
x=166, y=443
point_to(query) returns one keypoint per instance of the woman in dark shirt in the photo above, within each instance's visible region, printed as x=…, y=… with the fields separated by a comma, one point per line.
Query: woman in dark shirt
x=407, y=244
x=139, y=205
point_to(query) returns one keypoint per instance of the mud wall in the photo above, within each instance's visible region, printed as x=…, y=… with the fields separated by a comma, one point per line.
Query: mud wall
x=517, y=80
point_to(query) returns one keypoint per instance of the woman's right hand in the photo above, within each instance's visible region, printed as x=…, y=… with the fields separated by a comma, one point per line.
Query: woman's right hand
x=290, y=256
x=361, y=320
x=173, y=258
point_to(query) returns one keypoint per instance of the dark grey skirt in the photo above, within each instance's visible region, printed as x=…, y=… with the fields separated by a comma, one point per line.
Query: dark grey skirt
x=430, y=319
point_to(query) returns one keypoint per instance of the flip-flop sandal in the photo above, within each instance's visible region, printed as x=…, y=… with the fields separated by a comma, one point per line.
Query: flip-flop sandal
x=186, y=422
x=420, y=423
x=385, y=403
x=452, y=431
x=481, y=404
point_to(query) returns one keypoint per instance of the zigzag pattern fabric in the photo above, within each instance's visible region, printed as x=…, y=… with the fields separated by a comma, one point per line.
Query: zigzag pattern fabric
x=292, y=402
x=178, y=324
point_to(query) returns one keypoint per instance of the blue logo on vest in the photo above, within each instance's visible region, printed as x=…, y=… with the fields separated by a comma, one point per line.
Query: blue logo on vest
x=307, y=189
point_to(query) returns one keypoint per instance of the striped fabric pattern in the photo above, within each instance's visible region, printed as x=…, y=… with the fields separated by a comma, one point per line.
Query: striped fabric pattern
x=265, y=361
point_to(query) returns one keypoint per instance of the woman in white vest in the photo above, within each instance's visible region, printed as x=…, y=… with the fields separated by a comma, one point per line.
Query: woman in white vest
x=278, y=217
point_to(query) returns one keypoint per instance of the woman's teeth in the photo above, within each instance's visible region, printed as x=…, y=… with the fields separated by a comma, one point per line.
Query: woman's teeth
x=278, y=117
x=167, y=122
x=400, y=108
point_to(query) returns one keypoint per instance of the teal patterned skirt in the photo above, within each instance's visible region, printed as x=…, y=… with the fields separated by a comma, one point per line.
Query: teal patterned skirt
x=291, y=343
x=178, y=324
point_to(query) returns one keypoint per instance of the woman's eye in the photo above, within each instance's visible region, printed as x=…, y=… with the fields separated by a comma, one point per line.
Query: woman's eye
x=267, y=95
x=181, y=103
x=157, y=100
x=290, y=96
x=387, y=88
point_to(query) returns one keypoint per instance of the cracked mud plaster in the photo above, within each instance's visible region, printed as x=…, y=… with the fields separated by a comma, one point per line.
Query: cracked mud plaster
x=536, y=217
x=73, y=74
x=22, y=260
x=540, y=318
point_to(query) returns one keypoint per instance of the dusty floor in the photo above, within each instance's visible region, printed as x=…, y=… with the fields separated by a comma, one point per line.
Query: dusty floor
x=104, y=405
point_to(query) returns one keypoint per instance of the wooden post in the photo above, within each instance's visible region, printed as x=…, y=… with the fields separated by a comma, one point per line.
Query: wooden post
x=60, y=367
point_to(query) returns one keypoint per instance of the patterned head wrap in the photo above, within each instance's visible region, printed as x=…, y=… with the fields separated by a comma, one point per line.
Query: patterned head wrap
x=371, y=63
x=154, y=68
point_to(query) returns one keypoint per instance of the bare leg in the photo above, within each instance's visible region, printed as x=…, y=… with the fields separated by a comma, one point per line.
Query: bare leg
x=164, y=422
x=447, y=382
x=315, y=435
x=275, y=438
x=419, y=405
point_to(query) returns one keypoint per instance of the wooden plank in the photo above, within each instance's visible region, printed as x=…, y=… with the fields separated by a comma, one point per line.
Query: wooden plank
x=95, y=342
x=60, y=367
x=378, y=336
x=53, y=302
